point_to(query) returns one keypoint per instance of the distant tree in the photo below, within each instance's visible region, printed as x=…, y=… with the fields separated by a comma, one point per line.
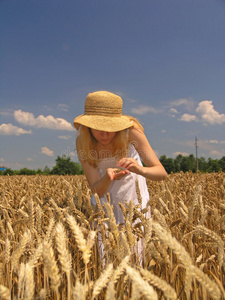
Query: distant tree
x=39, y=171
x=46, y=170
x=26, y=171
x=177, y=162
x=222, y=163
x=192, y=163
x=168, y=164
x=185, y=165
x=213, y=165
x=176, y=166
x=64, y=165
x=8, y=171
x=202, y=164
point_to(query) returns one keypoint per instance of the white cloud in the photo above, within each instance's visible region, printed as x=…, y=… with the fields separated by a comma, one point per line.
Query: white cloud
x=182, y=153
x=63, y=107
x=64, y=137
x=9, y=129
x=6, y=113
x=47, y=151
x=41, y=121
x=208, y=114
x=188, y=118
x=163, y=131
x=29, y=159
x=144, y=109
x=173, y=111
x=215, y=142
x=188, y=103
x=217, y=153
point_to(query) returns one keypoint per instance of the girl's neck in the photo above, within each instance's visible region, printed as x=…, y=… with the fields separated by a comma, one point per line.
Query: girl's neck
x=105, y=151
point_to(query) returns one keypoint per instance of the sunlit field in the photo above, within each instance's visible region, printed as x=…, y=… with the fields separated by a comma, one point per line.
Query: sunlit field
x=50, y=233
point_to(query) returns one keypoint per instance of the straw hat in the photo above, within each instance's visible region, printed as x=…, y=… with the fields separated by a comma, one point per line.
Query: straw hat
x=103, y=111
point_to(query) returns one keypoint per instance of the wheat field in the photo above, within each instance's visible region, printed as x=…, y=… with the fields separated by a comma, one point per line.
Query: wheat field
x=51, y=234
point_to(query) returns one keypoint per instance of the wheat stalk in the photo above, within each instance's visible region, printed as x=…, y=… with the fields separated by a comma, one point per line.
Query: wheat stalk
x=168, y=291
x=141, y=285
x=80, y=291
x=51, y=265
x=29, y=282
x=112, y=220
x=83, y=245
x=19, y=251
x=179, y=250
x=217, y=239
x=102, y=281
x=64, y=255
x=4, y=293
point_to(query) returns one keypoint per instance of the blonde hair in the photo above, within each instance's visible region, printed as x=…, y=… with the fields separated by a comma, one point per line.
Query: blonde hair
x=87, y=144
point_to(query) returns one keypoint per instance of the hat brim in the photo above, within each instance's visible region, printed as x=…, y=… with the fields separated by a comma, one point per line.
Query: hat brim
x=109, y=124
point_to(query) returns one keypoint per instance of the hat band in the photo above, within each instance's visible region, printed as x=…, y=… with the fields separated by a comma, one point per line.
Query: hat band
x=103, y=111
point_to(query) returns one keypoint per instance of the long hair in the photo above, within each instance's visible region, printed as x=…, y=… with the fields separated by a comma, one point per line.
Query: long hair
x=87, y=144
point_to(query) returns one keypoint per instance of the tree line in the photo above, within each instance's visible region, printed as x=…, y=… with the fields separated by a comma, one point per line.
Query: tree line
x=64, y=165
x=189, y=163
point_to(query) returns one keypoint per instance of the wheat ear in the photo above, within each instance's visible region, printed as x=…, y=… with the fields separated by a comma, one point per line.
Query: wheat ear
x=138, y=192
x=50, y=228
x=64, y=255
x=121, y=268
x=39, y=214
x=4, y=293
x=19, y=251
x=21, y=280
x=112, y=221
x=79, y=291
x=29, y=282
x=211, y=287
x=35, y=257
x=168, y=291
x=161, y=219
x=7, y=250
x=98, y=202
x=102, y=281
x=110, y=291
x=185, y=258
x=141, y=285
x=83, y=245
x=123, y=247
x=31, y=214
x=51, y=265
x=217, y=239
x=148, y=231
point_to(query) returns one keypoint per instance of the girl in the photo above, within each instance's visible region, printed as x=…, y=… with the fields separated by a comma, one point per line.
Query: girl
x=110, y=147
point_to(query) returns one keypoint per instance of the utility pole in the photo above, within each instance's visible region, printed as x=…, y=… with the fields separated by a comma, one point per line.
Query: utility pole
x=196, y=148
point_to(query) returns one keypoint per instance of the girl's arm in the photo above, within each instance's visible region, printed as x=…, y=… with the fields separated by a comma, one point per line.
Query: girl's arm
x=101, y=185
x=154, y=169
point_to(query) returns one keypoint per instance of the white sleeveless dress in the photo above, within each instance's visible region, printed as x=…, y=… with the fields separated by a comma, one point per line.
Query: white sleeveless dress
x=124, y=190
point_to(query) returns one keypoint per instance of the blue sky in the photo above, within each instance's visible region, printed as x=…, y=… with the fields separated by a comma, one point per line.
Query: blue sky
x=166, y=58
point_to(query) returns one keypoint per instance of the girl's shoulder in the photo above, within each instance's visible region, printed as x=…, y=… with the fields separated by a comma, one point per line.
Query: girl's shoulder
x=135, y=133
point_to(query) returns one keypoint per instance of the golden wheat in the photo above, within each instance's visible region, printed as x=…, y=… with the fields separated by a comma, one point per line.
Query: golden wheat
x=55, y=245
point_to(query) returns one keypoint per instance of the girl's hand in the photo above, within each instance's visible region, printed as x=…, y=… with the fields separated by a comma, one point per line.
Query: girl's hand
x=116, y=174
x=129, y=164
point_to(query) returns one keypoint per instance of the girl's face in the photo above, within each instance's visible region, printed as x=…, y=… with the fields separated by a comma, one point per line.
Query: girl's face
x=103, y=137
